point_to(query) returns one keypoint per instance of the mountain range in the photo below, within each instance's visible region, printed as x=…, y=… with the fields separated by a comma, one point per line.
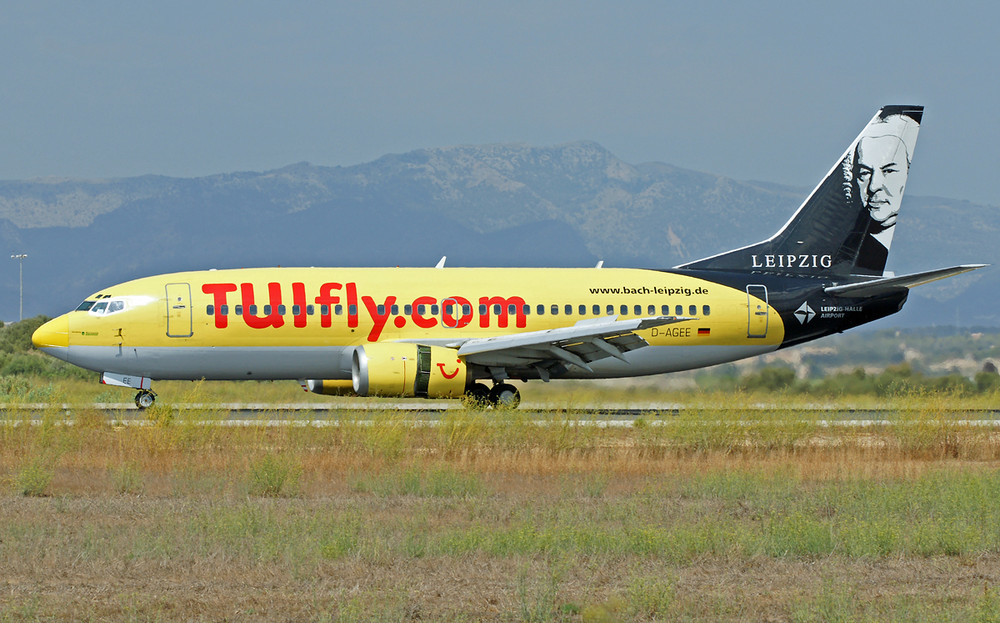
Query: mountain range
x=486, y=205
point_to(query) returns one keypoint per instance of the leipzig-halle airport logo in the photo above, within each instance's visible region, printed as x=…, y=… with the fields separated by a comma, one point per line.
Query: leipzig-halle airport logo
x=804, y=313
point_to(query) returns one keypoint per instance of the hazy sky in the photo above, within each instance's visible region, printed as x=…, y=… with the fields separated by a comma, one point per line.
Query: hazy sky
x=762, y=91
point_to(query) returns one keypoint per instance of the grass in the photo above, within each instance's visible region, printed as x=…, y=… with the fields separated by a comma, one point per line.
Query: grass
x=728, y=513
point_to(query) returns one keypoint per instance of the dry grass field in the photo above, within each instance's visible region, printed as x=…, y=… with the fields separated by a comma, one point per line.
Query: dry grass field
x=714, y=514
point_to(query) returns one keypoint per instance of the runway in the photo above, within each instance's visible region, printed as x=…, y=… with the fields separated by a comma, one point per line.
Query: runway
x=420, y=413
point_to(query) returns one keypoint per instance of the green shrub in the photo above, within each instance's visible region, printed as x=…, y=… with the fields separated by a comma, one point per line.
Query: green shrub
x=274, y=476
x=34, y=478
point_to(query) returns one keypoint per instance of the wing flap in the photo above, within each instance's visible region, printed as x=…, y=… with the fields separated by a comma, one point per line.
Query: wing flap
x=578, y=345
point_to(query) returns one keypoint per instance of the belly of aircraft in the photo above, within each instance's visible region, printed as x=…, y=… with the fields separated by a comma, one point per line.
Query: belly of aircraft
x=217, y=363
x=334, y=362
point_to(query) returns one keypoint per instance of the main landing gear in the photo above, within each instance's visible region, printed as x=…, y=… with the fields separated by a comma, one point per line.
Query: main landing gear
x=145, y=399
x=502, y=396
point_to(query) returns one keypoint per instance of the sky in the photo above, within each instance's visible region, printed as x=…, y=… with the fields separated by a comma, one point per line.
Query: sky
x=771, y=91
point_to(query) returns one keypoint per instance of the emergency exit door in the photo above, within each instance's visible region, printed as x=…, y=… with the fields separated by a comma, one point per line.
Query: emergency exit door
x=756, y=311
x=179, y=320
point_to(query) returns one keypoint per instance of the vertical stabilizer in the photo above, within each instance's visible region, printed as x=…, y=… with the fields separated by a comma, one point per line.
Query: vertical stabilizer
x=845, y=226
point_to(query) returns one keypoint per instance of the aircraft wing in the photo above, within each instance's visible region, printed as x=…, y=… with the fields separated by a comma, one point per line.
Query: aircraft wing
x=884, y=284
x=578, y=345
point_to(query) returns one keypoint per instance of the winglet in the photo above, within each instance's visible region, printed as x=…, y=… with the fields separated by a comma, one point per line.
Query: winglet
x=440, y=263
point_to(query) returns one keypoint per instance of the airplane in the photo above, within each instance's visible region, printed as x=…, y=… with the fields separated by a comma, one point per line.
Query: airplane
x=446, y=332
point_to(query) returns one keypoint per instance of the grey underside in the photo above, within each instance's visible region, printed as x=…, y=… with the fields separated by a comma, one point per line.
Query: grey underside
x=332, y=362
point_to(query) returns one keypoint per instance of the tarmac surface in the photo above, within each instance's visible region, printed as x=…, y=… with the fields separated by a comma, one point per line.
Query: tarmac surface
x=424, y=413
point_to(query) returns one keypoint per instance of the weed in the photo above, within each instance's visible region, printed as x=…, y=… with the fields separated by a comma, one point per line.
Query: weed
x=538, y=604
x=650, y=597
x=34, y=478
x=126, y=479
x=442, y=481
x=274, y=476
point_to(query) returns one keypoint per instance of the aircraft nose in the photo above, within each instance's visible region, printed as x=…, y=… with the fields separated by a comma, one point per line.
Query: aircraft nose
x=52, y=334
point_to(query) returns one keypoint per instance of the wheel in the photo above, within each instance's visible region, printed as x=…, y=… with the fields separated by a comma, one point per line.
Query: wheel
x=504, y=396
x=477, y=396
x=145, y=399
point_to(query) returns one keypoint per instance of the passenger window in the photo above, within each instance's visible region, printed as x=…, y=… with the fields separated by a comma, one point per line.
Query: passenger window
x=224, y=310
x=281, y=310
x=679, y=310
x=381, y=309
x=395, y=310
x=324, y=310
x=706, y=310
x=583, y=310
x=497, y=310
x=664, y=310
x=252, y=310
x=569, y=310
x=408, y=310
x=296, y=310
x=338, y=310
x=482, y=310
x=434, y=310
x=540, y=310
x=421, y=310
x=651, y=310
x=210, y=310
x=511, y=310
x=597, y=310
x=239, y=310
x=310, y=310
x=555, y=310
x=526, y=309
x=267, y=310
x=624, y=310
x=638, y=310
x=352, y=310
x=692, y=310
x=611, y=310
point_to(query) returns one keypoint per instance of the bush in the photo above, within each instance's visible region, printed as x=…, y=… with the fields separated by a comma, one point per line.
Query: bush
x=34, y=478
x=16, y=338
x=274, y=476
x=769, y=379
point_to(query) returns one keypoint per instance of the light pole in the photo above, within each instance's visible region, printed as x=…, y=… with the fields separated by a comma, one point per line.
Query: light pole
x=20, y=282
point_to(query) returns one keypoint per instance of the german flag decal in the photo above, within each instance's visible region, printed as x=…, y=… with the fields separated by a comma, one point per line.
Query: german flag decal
x=703, y=331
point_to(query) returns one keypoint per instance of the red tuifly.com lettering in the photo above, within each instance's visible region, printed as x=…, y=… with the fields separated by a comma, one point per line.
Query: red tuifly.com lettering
x=455, y=311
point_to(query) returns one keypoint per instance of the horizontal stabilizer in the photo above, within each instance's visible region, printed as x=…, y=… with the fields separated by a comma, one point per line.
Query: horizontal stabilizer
x=875, y=287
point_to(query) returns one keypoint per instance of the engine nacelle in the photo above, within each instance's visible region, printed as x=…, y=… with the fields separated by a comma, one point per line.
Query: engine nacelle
x=408, y=370
x=336, y=387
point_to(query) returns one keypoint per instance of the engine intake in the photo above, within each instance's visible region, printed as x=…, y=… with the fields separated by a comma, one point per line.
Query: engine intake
x=406, y=370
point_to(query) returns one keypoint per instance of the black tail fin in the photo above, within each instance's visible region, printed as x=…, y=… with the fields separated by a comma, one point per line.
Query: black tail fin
x=845, y=226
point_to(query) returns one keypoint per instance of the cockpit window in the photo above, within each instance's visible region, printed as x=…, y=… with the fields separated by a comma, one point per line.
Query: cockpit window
x=103, y=308
x=84, y=306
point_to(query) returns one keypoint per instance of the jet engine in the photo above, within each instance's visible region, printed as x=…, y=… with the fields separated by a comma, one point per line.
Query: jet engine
x=408, y=370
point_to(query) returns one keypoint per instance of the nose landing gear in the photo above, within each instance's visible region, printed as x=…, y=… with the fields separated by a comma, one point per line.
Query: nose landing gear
x=145, y=399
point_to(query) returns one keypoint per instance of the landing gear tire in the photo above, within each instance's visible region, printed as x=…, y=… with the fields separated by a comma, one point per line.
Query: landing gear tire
x=504, y=396
x=145, y=399
x=476, y=397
